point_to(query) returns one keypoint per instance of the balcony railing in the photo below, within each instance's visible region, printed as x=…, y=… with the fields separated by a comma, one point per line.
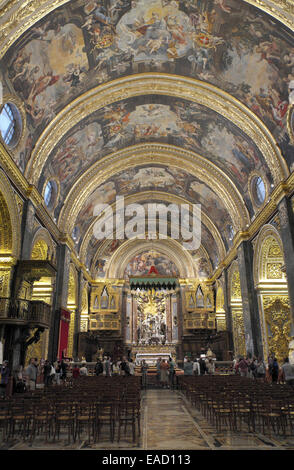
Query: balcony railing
x=32, y=312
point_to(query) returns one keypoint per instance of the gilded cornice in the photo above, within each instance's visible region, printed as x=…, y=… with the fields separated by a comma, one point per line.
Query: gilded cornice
x=80, y=266
x=10, y=229
x=161, y=84
x=171, y=248
x=17, y=16
x=282, y=10
x=12, y=170
x=282, y=190
x=157, y=196
x=28, y=191
x=169, y=155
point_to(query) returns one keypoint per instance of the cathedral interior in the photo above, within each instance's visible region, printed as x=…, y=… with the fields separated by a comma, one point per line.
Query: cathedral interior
x=116, y=115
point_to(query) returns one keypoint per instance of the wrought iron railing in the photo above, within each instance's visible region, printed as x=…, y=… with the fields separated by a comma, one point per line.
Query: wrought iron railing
x=34, y=312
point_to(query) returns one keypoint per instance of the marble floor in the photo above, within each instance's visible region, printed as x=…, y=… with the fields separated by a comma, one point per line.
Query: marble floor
x=169, y=422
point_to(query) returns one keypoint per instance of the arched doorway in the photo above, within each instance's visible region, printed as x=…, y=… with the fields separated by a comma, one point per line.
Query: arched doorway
x=272, y=289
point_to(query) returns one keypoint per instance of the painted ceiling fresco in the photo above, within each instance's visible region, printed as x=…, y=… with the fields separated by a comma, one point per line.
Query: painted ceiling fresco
x=202, y=263
x=140, y=265
x=155, y=119
x=99, y=252
x=83, y=44
x=160, y=178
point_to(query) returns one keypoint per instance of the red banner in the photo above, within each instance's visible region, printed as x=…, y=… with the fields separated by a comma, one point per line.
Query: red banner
x=63, y=333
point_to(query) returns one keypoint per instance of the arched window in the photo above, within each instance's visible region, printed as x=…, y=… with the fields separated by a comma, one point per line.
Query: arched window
x=258, y=190
x=7, y=124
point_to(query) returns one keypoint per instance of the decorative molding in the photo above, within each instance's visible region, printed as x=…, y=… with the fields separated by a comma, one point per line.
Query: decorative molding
x=17, y=16
x=169, y=155
x=155, y=196
x=161, y=84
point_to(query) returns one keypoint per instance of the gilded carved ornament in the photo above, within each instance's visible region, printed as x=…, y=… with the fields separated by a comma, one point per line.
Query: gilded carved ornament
x=150, y=196
x=150, y=153
x=10, y=228
x=290, y=122
x=169, y=247
x=268, y=256
x=235, y=286
x=238, y=333
x=278, y=325
x=149, y=83
x=18, y=16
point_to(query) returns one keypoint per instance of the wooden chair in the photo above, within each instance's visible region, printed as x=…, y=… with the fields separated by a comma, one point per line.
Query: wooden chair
x=42, y=420
x=4, y=418
x=105, y=416
x=64, y=419
x=127, y=415
x=85, y=420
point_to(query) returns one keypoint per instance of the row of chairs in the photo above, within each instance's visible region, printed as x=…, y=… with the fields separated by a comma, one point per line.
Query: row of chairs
x=89, y=406
x=230, y=402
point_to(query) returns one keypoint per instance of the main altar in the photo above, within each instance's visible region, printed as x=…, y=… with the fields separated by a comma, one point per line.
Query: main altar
x=150, y=353
x=152, y=297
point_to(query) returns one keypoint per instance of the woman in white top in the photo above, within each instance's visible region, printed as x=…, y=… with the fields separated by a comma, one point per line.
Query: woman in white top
x=83, y=370
x=132, y=367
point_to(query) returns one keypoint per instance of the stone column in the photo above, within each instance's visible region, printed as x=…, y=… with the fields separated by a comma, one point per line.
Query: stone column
x=228, y=309
x=59, y=298
x=181, y=297
x=287, y=236
x=14, y=333
x=252, y=328
x=168, y=319
x=78, y=315
x=27, y=228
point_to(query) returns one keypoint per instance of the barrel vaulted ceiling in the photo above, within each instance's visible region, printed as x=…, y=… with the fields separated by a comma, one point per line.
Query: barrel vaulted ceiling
x=163, y=100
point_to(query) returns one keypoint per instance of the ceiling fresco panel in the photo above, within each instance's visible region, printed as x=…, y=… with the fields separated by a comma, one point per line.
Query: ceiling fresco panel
x=228, y=43
x=155, y=119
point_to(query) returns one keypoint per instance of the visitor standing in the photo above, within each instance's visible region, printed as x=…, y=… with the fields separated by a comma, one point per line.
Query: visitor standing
x=196, y=367
x=107, y=367
x=188, y=367
x=260, y=369
x=115, y=369
x=57, y=366
x=83, y=371
x=158, y=363
x=274, y=370
x=202, y=366
x=64, y=368
x=164, y=367
x=144, y=371
x=31, y=373
x=243, y=367
x=172, y=367
x=98, y=367
x=210, y=367
x=75, y=371
x=124, y=367
x=132, y=367
x=47, y=371
x=288, y=372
